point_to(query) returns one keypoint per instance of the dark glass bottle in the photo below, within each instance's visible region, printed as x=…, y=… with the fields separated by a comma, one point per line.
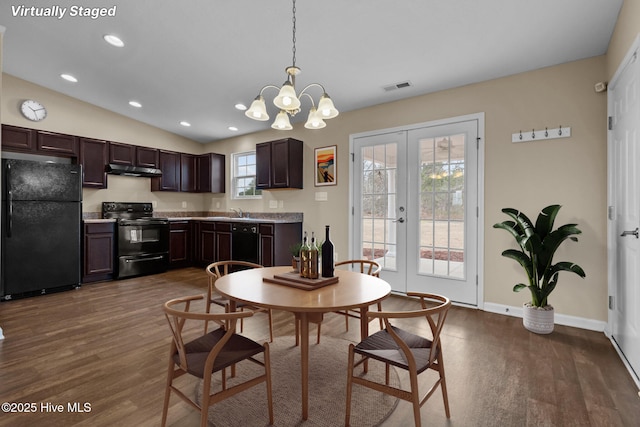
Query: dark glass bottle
x=313, y=258
x=327, y=255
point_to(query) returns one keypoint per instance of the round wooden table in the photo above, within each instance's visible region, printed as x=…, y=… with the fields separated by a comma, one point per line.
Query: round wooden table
x=353, y=290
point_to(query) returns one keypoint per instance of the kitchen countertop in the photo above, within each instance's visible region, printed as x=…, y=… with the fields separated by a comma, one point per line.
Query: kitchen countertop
x=98, y=220
x=233, y=219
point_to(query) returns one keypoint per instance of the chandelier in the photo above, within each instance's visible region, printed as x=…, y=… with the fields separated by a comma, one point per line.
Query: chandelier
x=288, y=101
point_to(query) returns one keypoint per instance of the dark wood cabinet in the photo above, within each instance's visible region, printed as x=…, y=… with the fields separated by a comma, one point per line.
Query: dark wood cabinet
x=188, y=173
x=206, y=250
x=93, y=157
x=169, y=163
x=223, y=241
x=57, y=144
x=275, y=241
x=210, y=173
x=279, y=164
x=122, y=154
x=147, y=157
x=180, y=244
x=99, y=251
x=15, y=138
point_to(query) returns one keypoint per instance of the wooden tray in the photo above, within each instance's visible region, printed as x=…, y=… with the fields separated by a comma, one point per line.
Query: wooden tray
x=294, y=280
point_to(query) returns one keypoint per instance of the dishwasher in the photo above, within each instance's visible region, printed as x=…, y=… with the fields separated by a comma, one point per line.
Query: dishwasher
x=245, y=242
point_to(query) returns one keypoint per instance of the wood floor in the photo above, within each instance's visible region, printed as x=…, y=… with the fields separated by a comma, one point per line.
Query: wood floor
x=106, y=344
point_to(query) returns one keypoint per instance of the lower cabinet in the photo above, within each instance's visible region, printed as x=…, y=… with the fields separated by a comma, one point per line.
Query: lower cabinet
x=275, y=241
x=180, y=244
x=99, y=251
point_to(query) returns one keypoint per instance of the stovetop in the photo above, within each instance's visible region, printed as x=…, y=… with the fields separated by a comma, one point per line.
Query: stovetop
x=129, y=211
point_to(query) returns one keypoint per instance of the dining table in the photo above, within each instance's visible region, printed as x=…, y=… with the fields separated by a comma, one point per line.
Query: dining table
x=353, y=290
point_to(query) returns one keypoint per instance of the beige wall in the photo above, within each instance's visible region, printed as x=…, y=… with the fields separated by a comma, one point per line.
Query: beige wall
x=528, y=176
x=626, y=30
x=569, y=171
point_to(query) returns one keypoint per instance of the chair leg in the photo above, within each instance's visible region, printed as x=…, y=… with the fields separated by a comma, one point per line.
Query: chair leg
x=207, y=310
x=415, y=398
x=270, y=325
x=346, y=319
x=167, y=392
x=297, y=331
x=443, y=385
x=267, y=368
x=318, y=338
x=347, y=418
x=381, y=323
x=206, y=398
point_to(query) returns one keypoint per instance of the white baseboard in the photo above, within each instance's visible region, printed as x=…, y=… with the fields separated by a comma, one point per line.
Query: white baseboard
x=560, y=319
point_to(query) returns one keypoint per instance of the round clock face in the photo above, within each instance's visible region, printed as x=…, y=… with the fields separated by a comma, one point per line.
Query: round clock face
x=33, y=110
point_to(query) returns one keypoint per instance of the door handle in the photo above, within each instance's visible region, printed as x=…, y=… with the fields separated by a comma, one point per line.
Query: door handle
x=628, y=233
x=400, y=220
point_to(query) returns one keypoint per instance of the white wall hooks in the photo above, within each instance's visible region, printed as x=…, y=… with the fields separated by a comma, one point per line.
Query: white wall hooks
x=540, y=135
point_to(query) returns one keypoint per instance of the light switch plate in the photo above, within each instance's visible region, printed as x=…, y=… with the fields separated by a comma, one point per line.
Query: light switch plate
x=273, y=204
x=321, y=196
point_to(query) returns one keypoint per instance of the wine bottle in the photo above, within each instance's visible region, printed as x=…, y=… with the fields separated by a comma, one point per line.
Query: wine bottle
x=313, y=258
x=327, y=255
x=304, y=257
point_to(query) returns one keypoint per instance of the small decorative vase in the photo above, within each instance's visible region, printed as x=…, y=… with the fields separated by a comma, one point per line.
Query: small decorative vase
x=537, y=319
x=295, y=263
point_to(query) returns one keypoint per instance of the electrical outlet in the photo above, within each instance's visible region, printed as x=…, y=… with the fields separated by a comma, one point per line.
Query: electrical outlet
x=280, y=204
x=273, y=204
x=321, y=196
x=217, y=205
x=184, y=204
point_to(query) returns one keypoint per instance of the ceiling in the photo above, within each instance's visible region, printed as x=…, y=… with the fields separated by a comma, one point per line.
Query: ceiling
x=193, y=60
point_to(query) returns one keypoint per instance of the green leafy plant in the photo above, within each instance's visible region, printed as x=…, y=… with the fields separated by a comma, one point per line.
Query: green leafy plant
x=538, y=244
x=295, y=249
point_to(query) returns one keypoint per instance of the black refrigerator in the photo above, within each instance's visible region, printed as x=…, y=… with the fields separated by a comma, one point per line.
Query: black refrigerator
x=41, y=220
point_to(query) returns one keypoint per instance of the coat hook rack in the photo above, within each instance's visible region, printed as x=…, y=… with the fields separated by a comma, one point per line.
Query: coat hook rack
x=541, y=135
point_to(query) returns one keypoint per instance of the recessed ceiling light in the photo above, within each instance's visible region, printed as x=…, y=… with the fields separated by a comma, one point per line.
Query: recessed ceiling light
x=233, y=128
x=241, y=107
x=185, y=124
x=135, y=104
x=113, y=40
x=69, y=78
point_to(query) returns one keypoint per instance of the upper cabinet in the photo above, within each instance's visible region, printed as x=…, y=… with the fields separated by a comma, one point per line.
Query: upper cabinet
x=39, y=142
x=190, y=173
x=147, y=157
x=210, y=170
x=279, y=164
x=122, y=154
x=93, y=156
x=18, y=139
x=57, y=144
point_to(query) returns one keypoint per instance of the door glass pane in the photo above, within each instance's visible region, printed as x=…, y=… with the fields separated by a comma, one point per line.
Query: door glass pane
x=379, y=166
x=442, y=189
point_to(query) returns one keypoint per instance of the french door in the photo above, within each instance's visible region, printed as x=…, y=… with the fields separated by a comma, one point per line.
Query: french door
x=624, y=210
x=416, y=206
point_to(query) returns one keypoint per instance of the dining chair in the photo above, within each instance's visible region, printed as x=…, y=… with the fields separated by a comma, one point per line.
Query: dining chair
x=365, y=266
x=221, y=268
x=210, y=353
x=413, y=353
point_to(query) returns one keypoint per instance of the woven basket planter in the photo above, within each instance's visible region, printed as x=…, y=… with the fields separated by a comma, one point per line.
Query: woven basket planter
x=537, y=319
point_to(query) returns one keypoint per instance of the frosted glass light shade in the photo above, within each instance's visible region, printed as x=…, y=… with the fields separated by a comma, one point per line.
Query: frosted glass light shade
x=258, y=110
x=282, y=121
x=314, y=121
x=287, y=98
x=326, y=107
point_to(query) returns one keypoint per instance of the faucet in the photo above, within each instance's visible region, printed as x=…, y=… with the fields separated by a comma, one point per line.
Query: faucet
x=238, y=211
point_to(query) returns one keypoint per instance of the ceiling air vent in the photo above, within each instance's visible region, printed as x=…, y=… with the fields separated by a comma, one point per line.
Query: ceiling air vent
x=396, y=86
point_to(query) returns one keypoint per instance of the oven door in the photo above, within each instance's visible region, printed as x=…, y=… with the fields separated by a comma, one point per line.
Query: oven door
x=138, y=237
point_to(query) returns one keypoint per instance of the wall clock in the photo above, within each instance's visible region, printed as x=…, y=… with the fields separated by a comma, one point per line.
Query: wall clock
x=33, y=110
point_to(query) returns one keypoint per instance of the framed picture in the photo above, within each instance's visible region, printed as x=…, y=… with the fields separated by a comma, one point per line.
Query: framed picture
x=325, y=164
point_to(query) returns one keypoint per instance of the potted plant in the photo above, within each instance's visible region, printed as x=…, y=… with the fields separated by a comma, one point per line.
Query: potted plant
x=295, y=256
x=538, y=244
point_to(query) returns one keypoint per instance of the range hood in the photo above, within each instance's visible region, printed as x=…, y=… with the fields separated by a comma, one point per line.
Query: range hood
x=116, y=169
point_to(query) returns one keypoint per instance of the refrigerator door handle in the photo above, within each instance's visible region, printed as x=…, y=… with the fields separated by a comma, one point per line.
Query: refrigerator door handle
x=9, y=201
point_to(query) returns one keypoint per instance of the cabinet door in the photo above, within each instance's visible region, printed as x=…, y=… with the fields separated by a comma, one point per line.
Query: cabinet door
x=57, y=144
x=99, y=244
x=93, y=156
x=210, y=173
x=207, y=243
x=122, y=154
x=263, y=165
x=147, y=157
x=223, y=241
x=180, y=244
x=280, y=164
x=169, y=162
x=187, y=173
x=18, y=139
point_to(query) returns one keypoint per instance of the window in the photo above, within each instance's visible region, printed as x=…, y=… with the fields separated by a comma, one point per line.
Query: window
x=244, y=176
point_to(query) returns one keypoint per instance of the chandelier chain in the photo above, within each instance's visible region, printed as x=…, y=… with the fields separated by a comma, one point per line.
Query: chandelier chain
x=294, y=33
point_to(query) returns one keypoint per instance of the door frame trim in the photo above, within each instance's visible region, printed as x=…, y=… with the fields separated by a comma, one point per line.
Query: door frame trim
x=611, y=233
x=479, y=117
